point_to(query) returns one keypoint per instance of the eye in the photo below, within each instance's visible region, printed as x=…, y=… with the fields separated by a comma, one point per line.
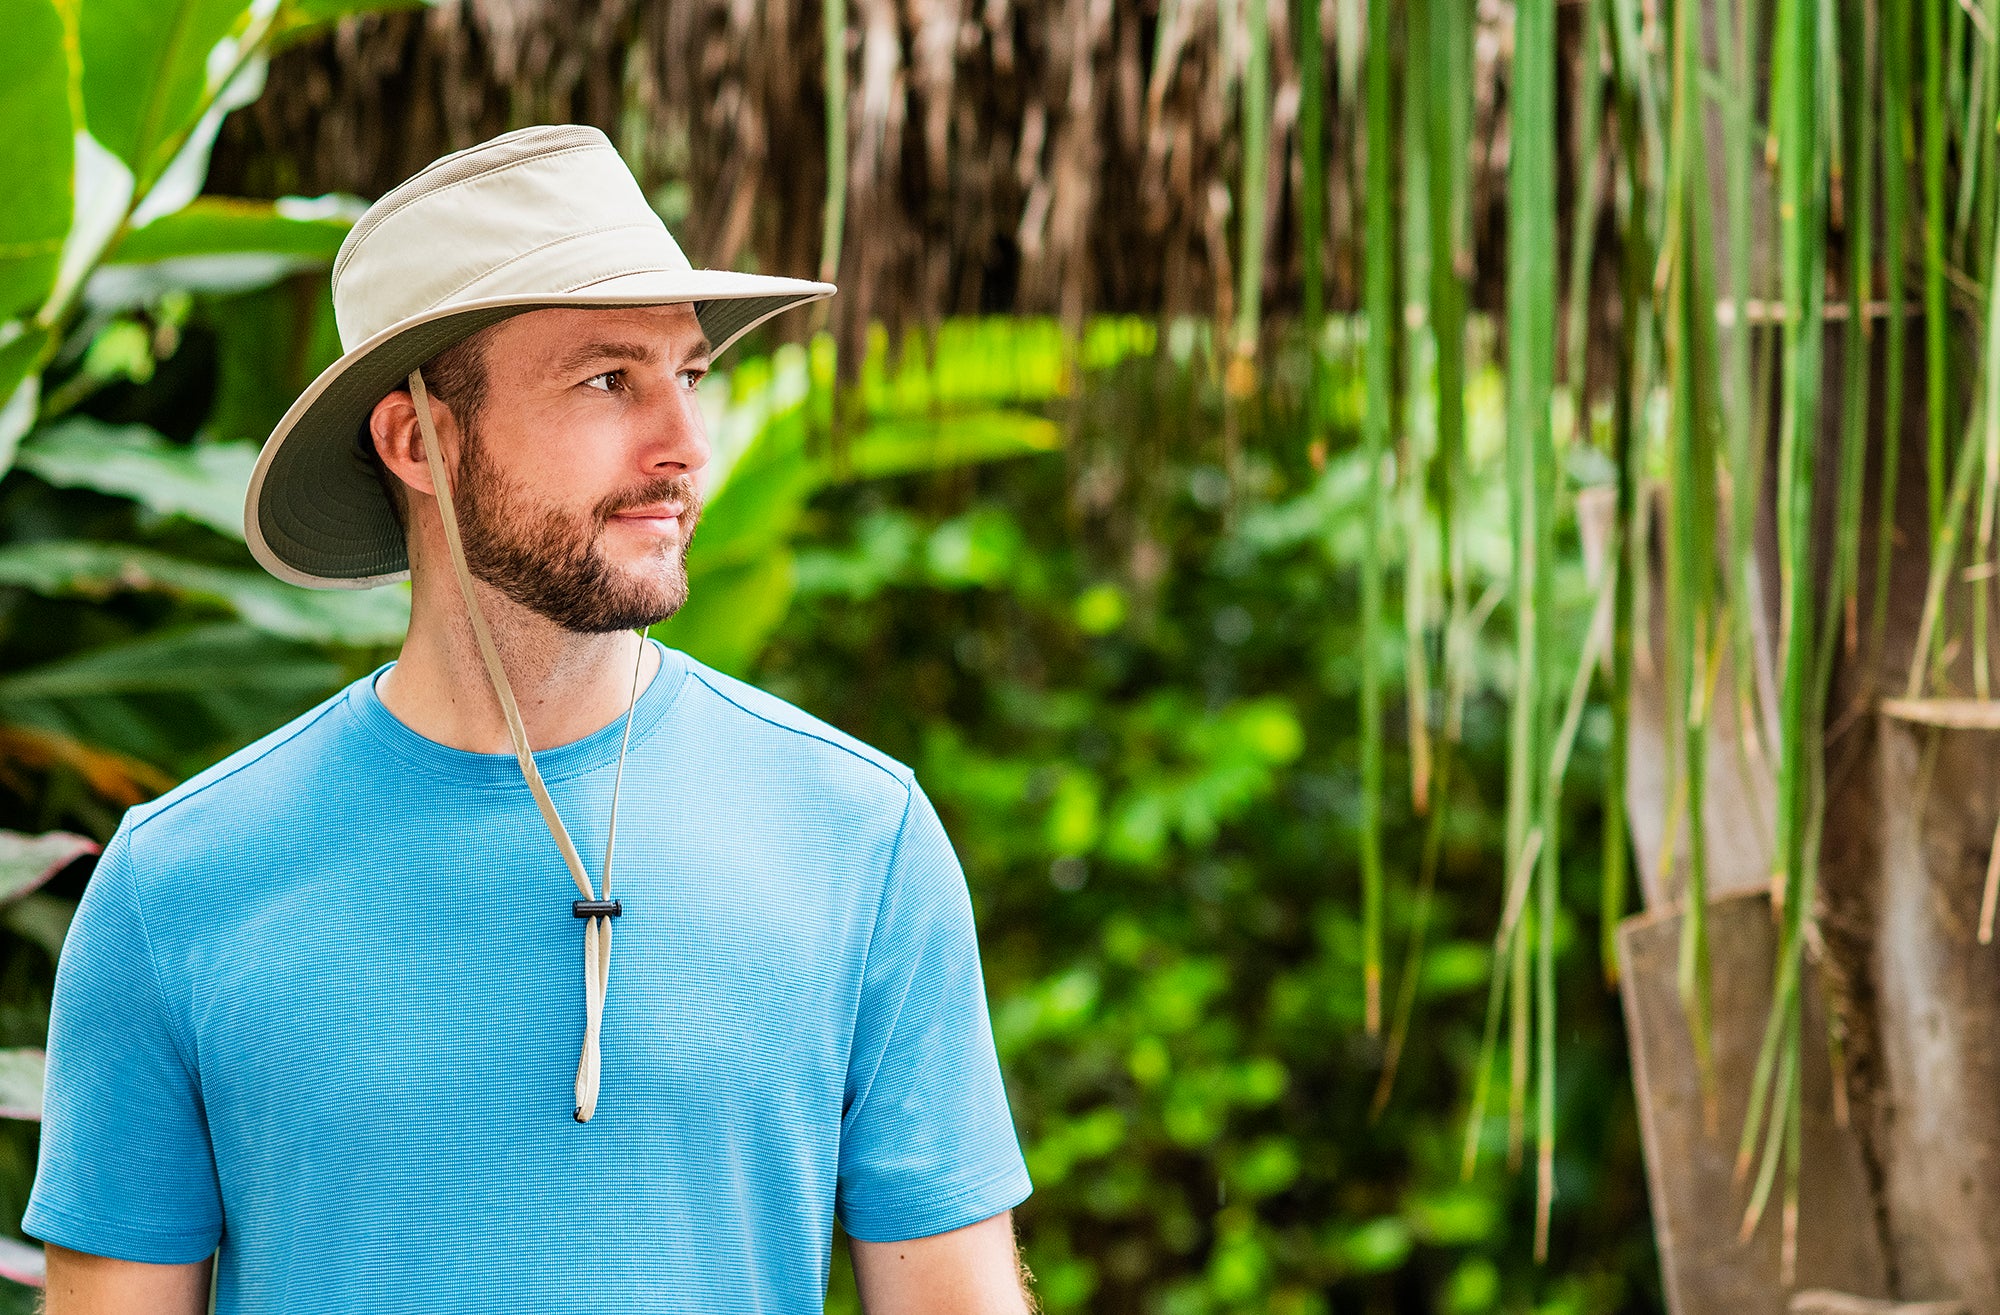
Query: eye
x=694, y=377
x=608, y=374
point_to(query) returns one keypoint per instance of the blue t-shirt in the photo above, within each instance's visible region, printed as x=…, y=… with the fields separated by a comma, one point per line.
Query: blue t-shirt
x=322, y=1006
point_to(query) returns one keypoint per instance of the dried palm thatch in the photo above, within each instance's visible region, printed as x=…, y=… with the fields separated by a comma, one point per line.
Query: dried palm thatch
x=1060, y=156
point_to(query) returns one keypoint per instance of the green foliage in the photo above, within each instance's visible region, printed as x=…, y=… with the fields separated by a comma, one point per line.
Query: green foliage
x=83, y=569
x=224, y=226
x=203, y=483
x=146, y=73
x=35, y=158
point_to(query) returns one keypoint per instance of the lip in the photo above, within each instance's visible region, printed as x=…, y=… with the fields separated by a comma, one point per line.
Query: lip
x=660, y=517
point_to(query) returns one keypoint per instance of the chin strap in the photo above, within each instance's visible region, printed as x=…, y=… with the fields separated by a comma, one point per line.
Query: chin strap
x=597, y=912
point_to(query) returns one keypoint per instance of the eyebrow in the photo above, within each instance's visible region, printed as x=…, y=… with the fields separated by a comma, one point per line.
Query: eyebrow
x=587, y=353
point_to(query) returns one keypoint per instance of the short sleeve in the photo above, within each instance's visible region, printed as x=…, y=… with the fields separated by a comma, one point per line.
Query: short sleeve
x=126, y=1169
x=927, y=1143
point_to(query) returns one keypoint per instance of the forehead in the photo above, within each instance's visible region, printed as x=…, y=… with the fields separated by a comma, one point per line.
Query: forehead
x=557, y=333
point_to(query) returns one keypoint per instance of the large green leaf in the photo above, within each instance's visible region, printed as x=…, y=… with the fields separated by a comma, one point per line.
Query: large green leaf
x=180, y=698
x=209, y=659
x=146, y=75
x=900, y=445
x=360, y=617
x=21, y=1075
x=205, y=482
x=28, y=861
x=220, y=226
x=37, y=151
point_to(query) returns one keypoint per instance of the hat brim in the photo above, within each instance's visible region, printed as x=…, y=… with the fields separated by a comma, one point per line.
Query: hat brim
x=316, y=515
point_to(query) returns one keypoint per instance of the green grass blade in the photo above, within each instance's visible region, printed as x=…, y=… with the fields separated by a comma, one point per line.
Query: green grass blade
x=1989, y=489
x=1312, y=171
x=1944, y=555
x=1419, y=428
x=1583, y=217
x=1256, y=124
x=1631, y=82
x=1895, y=146
x=1379, y=283
x=1447, y=64
x=1531, y=328
x=1937, y=416
x=834, y=218
x=1842, y=595
x=1694, y=419
x=1413, y=949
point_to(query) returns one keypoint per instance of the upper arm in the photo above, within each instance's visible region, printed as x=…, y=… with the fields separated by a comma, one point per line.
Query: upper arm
x=927, y=1143
x=126, y=1168
x=82, y=1284
x=973, y=1270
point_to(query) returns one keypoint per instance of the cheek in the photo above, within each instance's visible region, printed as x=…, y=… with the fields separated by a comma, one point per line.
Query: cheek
x=574, y=465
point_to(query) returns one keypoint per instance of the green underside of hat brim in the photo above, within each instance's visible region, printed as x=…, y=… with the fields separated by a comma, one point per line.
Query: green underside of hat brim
x=317, y=515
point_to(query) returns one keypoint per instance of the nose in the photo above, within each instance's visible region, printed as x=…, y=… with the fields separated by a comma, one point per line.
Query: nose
x=675, y=439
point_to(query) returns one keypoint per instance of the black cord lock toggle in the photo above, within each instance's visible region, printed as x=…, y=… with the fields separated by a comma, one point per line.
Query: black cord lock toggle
x=596, y=908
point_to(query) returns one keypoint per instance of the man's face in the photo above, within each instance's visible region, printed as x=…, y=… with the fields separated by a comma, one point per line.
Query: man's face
x=576, y=489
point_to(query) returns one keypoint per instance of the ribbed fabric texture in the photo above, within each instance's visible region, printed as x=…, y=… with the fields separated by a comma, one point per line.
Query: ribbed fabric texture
x=320, y=1006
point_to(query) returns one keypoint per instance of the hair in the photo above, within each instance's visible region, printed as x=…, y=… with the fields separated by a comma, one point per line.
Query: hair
x=455, y=376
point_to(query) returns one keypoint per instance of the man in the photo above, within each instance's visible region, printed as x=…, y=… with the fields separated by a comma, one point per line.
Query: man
x=319, y=1004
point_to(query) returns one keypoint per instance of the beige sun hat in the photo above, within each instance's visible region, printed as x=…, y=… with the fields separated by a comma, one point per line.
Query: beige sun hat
x=543, y=216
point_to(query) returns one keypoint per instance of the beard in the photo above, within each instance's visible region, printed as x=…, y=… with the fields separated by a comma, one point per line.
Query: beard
x=551, y=561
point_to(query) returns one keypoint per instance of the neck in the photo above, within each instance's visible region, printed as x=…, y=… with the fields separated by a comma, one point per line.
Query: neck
x=567, y=685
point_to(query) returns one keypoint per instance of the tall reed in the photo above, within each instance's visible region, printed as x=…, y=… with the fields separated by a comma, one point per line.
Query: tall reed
x=1379, y=297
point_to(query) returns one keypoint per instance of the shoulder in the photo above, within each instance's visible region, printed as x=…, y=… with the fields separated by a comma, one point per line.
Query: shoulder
x=761, y=720
x=247, y=784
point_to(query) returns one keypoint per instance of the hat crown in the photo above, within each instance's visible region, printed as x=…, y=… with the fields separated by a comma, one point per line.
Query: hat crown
x=547, y=209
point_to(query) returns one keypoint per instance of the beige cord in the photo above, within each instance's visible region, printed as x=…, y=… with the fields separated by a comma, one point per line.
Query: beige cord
x=596, y=931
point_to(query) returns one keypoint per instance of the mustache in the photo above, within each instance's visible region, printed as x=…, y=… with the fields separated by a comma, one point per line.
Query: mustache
x=681, y=490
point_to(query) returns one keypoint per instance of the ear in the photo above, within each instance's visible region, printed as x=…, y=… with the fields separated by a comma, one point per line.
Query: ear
x=392, y=427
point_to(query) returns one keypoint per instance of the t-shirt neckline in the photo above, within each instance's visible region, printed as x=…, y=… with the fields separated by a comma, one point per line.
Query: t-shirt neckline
x=577, y=758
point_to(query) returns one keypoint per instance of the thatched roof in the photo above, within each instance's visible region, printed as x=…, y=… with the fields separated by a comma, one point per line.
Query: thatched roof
x=1066, y=156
